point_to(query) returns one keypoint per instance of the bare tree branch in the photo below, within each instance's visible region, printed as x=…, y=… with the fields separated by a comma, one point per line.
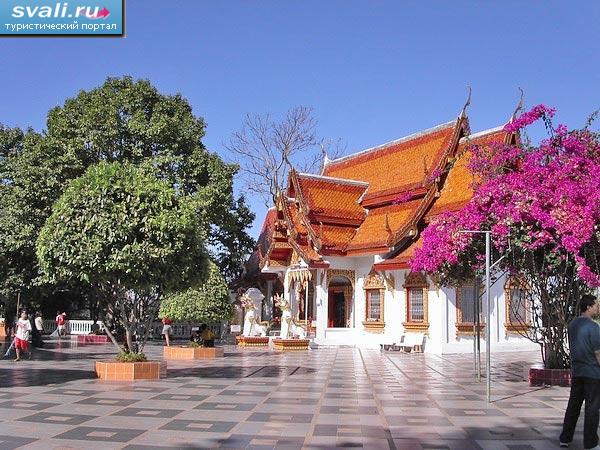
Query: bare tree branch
x=267, y=150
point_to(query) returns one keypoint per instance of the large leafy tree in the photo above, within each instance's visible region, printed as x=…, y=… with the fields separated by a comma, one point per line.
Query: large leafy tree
x=33, y=174
x=128, y=234
x=129, y=120
x=122, y=120
x=542, y=205
x=207, y=302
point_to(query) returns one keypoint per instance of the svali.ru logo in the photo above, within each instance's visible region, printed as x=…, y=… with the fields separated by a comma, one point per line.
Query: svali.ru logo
x=60, y=10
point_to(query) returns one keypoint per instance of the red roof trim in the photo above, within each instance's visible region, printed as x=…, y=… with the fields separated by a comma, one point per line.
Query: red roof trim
x=396, y=265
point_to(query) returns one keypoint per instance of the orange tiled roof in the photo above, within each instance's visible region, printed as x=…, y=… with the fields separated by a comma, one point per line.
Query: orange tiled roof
x=373, y=232
x=326, y=211
x=397, y=166
x=332, y=198
x=292, y=213
x=308, y=252
x=457, y=191
x=266, y=233
x=334, y=237
x=402, y=259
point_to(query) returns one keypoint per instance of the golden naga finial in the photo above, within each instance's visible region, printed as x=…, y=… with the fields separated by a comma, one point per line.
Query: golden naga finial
x=463, y=113
x=519, y=106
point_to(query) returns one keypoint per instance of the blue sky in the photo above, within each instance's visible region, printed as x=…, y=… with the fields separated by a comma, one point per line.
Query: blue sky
x=373, y=71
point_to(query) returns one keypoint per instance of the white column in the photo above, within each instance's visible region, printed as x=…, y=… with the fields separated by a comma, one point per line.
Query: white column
x=268, y=302
x=322, y=303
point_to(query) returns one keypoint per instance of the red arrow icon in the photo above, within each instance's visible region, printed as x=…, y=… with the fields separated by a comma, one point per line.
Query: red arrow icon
x=102, y=14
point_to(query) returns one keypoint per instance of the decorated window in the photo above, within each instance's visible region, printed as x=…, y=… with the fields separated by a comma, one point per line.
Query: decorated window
x=416, y=290
x=516, y=295
x=466, y=297
x=416, y=311
x=374, y=287
x=374, y=303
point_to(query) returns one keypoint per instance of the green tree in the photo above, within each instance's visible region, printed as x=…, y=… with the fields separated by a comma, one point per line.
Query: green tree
x=122, y=120
x=128, y=234
x=128, y=120
x=32, y=176
x=207, y=302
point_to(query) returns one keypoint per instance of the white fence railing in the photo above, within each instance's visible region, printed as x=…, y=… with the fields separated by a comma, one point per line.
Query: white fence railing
x=179, y=330
x=72, y=326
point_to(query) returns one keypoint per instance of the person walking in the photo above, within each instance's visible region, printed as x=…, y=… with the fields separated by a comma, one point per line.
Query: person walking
x=584, y=345
x=60, y=323
x=167, y=330
x=22, y=336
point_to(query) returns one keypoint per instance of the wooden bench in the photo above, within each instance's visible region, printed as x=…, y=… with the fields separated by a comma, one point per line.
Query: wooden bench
x=413, y=341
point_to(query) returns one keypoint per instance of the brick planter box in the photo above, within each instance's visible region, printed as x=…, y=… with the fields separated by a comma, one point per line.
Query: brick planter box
x=549, y=377
x=130, y=371
x=252, y=341
x=291, y=344
x=178, y=352
x=90, y=339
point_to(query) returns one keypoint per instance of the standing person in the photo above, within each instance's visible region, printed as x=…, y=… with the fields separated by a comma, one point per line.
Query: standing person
x=584, y=345
x=35, y=336
x=39, y=328
x=60, y=323
x=39, y=322
x=22, y=336
x=167, y=330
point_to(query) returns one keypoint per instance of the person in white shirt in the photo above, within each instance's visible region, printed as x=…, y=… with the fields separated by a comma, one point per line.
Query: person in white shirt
x=39, y=322
x=22, y=335
x=38, y=330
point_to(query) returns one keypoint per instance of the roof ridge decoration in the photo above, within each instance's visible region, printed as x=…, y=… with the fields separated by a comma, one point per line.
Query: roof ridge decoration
x=481, y=133
x=519, y=106
x=463, y=113
x=334, y=179
x=304, y=210
x=395, y=142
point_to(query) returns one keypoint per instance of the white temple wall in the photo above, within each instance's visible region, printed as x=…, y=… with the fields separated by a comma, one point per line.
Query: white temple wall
x=437, y=319
x=442, y=335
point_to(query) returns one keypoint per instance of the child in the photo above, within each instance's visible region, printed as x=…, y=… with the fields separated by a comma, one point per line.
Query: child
x=22, y=336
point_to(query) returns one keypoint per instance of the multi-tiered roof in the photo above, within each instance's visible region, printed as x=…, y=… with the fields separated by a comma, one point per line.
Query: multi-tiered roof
x=376, y=201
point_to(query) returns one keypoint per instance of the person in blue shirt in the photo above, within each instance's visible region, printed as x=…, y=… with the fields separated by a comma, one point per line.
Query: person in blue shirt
x=584, y=344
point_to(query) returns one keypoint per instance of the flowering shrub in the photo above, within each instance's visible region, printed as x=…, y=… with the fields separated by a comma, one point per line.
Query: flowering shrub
x=542, y=205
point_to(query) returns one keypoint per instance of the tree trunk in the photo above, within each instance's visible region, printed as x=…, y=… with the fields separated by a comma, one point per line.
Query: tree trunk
x=129, y=337
x=112, y=338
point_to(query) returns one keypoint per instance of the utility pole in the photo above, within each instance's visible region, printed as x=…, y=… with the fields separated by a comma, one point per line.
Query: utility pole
x=488, y=265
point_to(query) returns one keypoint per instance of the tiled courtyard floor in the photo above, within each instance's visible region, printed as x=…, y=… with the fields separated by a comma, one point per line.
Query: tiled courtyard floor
x=258, y=398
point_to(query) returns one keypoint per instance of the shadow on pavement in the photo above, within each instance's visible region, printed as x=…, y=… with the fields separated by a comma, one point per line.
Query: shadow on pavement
x=23, y=376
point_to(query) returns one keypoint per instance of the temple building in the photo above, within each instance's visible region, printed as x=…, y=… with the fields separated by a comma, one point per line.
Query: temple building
x=338, y=246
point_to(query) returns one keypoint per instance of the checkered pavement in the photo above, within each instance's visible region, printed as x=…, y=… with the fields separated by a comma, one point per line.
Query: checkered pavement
x=260, y=399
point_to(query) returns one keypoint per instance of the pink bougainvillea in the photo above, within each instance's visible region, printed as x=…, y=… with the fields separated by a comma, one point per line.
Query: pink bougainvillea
x=529, y=117
x=545, y=198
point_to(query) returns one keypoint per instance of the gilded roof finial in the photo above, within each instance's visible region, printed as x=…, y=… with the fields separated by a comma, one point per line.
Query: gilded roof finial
x=463, y=113
x=519, y=106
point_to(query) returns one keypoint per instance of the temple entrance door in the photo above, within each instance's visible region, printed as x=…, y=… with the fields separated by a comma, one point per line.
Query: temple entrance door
x=337, y=310
x=339, y=303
